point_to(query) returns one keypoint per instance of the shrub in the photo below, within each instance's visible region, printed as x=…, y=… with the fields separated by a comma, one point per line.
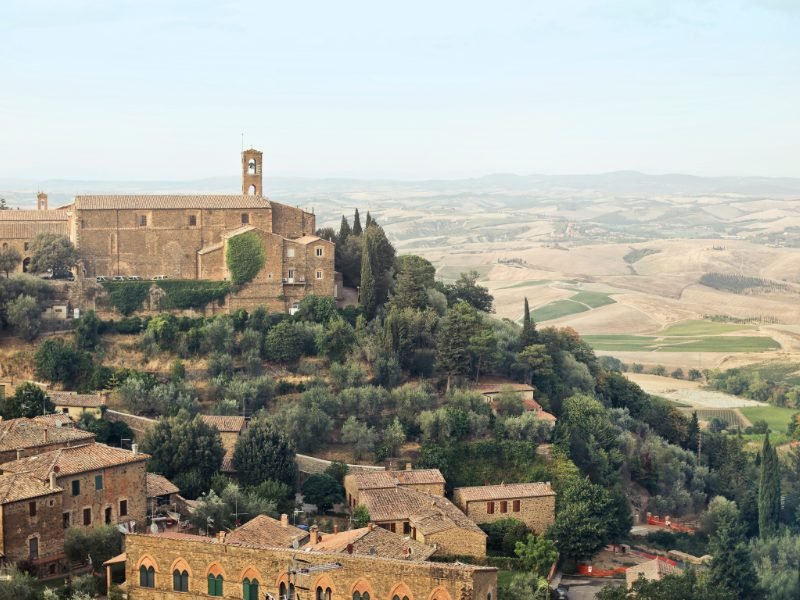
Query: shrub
x=127, y=296
x=245, y=257
x=192, y=294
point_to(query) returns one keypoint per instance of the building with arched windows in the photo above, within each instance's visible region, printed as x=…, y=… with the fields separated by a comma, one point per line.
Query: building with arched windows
x=170, y=565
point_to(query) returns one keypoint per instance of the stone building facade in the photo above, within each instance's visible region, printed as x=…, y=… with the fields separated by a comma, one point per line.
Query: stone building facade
x=186, y=236
x=532, y=503
x=430, y=481
x=30, y=523
x=252, y=571
x=101, y=485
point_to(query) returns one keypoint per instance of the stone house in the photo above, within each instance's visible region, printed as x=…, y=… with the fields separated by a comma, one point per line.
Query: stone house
x=160, y=491
x=491, y=387
x=371, y=541
x=76, y=405
x=651, y=570
x=170, y=565
x=229, y=427
x=424, y=480
x=279, y=533
x=101, y=485
x=30, y=523
x=427, y=518
x=532, y=503
x=25, y=437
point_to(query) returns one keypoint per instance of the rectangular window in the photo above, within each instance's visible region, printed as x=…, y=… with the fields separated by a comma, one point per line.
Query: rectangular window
x=65, y=520
x=516, y=506
x=392, y=528
x=245, y=218
x=76, y=487
x=32, y=509
x=87, y=516
x=319, y=274
x=503, y=506
x=290, y=252
x=319, y=251
x=65, y=410
x=142, y=220
x=192, y=220
x=98, y=482
x=406, y=528
x=490, y=508
x=33, y=547
x=123, y=508
x=108, y=515
x=291, y=275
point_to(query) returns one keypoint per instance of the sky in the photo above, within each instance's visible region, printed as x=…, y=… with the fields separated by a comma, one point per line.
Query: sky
x=162, y=89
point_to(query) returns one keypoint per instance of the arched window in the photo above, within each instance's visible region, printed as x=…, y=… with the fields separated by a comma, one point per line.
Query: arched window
x=325, y=594
x=251, y=166
x=180, y=581
x=251, y=191
x=5, y=246
x=360, y=596
x=215, y=585
x=282, y=591
x=396, y=597
x=250, y=589
x=25, y=264
x=147, y=577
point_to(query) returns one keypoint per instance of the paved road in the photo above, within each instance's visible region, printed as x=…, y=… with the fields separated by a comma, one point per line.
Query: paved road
x=586, y=588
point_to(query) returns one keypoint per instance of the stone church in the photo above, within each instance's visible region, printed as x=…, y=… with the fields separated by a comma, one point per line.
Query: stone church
x=185, y=237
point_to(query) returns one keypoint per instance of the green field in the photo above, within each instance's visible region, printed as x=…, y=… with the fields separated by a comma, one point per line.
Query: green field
x=695, y=328
x=529, y=283
x=592, y=299
x=556, y=310
x=644, y=343
x=777, y=417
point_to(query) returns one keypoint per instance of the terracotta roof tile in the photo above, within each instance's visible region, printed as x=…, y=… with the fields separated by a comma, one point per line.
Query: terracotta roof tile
x=158, y=485
x=13, y=230
x=33, y=215
x=227, y=463
x=375, y=542
x=15, y=487
x=69, y=461
x=266, y=531
x=32, y=433
x=228, y=424
x=504, y=491
x=78, y=400
x=388, y=479
x=145, y=202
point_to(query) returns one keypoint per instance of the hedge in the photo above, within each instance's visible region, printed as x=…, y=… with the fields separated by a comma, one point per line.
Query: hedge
x=245, y=257
x=193, y=294
x=127, y=296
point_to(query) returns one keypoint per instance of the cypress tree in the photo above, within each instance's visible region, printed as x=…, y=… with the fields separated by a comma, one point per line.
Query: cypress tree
x=370, y=220
x=344, y=231
x=367, y=294
x=693, y=433
x=528, y=335
x=356, y=224
x=732, y=565
x=769, y=490
x=526, y=314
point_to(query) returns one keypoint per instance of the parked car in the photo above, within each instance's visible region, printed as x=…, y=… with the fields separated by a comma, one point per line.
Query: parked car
x=134, y=278
x=160, y=278
x=63, y=274
x=101, y=278
x=119, y=278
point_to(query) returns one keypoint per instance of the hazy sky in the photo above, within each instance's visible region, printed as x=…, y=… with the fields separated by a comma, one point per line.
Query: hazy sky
x=113, y=89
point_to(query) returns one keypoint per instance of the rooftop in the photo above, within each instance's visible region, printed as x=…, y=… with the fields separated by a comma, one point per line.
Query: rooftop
x=492, y=385
x=264, y=530
x=374, y=541
x=389, y=479
x=504, y=491
x=228, y=424
x=227, y=463
x=33, y=215
x=73, y=460
x=15, y=487
x=158, y=485
x=172, y=201
x=30, y=433
x=652, y=570
x=78, y=400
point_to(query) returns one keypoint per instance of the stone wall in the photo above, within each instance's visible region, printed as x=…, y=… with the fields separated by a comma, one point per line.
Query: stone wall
x=292, y=222
x=537, y=513
x=139, y=425
x=381, y=577
x=18, y=527
x=456, y=542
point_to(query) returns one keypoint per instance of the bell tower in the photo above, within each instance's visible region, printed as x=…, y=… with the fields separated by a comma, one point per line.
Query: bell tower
x=41, y=201
x=251, y=172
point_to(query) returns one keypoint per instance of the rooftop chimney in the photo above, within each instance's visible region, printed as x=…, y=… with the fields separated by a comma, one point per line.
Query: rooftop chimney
x=349, y=548
x=221, y=537
x=135, y=449
x=45, y=435
x=408, y=466
x=284, y=520
x=314, y=531
x=19, y=453
x=336, y=528
x=370, y=526
x=53, y=481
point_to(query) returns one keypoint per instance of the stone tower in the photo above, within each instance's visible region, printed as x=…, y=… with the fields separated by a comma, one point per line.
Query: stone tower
x=41, y=201
x=251, y=173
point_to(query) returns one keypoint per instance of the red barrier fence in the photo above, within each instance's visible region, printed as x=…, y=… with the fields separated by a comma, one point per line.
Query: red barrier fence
x=668, y=523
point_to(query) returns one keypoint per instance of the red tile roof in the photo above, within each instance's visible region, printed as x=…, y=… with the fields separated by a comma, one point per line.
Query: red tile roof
x=158, y=485
x=73, y=460
x=504, y=491
x=172, y=201
x=388, y=479
x=267, y=531
x=225, y=423
x=32, y=433
x=15, y=487
x=33, y=215
x=374, y=541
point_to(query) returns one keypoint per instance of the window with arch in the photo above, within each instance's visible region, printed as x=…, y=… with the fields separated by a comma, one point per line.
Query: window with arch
x=5, y=246
x=251, y=191
x=147, y=577
x=396, y=597
x=215, y=584
x=325, y=594
x=251, y=166
x=282, y=591
x=360, y=596
x=250, y=589
x=180, y=580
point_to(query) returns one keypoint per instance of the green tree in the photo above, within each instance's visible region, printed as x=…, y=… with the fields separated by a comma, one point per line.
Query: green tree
x=336, y=340
x=368, y=299
x=87, y=331
x=361, y=517
x=583, y=522
x=29, y=400
x=360, y=435
x=732, y=565
x=524, y=586
x=414, y=275
x=316, y=309
x=467, y=290
x=344, y=231
x=693, y=433
x=483, y=347
x=229, y=508
x=9, y=259
x=245, y=257
x=277, y=492
x=263, y=452
x=323, y=491
x=283, y=343
x=536, y=361
x=57, y=360
x=528, y=335
x=394, y=436
x=357, y=230
x=186, y=450
x=19, y=585
x=456, y=329
x=52, y=252
x=769, y=490
x=537, y=554
x=25, y=316
x=99, y=543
